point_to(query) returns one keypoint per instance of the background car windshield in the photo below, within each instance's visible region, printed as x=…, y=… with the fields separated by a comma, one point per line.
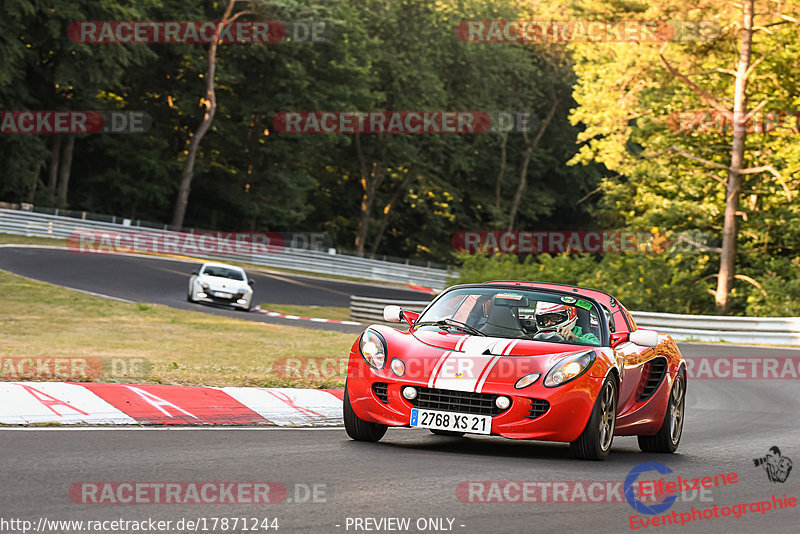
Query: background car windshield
x=513, y=314
x=223, y=272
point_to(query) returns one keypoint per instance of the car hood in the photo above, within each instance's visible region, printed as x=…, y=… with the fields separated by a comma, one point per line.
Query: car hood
x=495, y=346
x=223, y=284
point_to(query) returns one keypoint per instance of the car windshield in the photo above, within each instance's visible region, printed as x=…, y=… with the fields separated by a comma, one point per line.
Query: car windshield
x=223, y=272
x=515, y=313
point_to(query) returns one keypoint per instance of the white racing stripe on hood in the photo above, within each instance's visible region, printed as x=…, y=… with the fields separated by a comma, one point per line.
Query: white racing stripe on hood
x=436, y=368
x=467, y=370
x=506, y=351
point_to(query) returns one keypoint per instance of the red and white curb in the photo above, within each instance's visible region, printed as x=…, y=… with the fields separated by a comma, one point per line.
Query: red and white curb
x=299, y=318
x=24, y=403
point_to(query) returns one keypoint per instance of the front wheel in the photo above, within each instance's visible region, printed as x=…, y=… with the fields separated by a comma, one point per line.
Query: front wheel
x=357, y=428
x=595, y=440
x=669, y=435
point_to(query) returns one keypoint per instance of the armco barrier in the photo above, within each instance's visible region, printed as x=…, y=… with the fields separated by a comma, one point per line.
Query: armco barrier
x=370, y=310
x=42, y=225
x=755, y=330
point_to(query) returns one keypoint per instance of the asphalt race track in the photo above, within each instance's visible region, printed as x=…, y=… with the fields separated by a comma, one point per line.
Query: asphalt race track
x=410, y=473
x=165, y=281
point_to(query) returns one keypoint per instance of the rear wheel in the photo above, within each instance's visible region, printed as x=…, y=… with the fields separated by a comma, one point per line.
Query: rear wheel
x=357, y=428
x=669, y=435
x=595, y=440
x=449, y=433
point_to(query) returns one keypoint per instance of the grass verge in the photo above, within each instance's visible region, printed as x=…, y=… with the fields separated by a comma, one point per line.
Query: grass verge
x=13, y=239
x=40, y=320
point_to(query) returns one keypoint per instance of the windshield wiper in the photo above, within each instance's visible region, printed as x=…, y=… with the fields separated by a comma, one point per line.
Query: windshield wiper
x=452, y=323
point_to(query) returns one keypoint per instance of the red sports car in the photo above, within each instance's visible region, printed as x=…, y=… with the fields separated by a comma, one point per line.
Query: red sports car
x=520, y=360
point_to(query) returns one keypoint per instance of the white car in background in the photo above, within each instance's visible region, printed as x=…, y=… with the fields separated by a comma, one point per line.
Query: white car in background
x=221, y=284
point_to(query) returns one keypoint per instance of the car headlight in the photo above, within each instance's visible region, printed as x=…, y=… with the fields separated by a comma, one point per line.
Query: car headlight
x=398, y=367
x=569, y=368
x=373, y=349
x=527, y=380
x=203, y=285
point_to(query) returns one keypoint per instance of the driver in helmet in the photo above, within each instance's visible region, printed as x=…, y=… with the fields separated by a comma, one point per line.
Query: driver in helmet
x=561, y=319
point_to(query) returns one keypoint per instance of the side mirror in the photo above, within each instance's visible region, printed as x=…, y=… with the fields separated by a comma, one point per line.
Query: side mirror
x=618, y=337
x=195, y=272
x=392, y=314
x=251, y=282
x=644, y=338
x=410, y=317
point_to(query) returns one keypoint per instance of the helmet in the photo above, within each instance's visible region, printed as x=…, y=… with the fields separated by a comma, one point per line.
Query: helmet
x=550, y=316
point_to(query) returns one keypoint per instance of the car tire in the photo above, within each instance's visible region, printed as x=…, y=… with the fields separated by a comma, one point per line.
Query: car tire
x=668, y=436
x=595, y=440
x=357, y=428
x=450, y=433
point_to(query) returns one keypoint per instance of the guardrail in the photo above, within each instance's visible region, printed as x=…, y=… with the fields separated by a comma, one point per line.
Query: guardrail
x=370, y=310
x=754, y=330
x=33, y=224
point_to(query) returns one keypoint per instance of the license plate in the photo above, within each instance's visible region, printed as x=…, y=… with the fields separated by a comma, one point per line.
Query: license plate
x=456, y=422
x=222, y=295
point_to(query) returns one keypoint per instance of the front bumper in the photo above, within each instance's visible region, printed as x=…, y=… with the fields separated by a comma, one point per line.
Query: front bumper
x=230, y=301
x=569, y=411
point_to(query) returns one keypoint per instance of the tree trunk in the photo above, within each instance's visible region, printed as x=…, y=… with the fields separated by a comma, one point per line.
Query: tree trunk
x=498, y=185
x=55, y=154
x=727, y=264
x=34, y=183
x=370, y=182
x=66, y=166
x=521, y=186
x=385, y=217
x=526, y=158
x=369, y=186
x=210, y=102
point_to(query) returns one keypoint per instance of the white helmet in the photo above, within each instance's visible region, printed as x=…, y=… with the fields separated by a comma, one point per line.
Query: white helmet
x=550, y=316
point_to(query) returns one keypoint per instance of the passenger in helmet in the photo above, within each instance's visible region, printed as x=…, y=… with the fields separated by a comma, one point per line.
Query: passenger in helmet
x=561, y=319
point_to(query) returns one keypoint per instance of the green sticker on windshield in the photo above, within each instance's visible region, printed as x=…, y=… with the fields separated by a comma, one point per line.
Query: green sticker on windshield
x=584, y=304
x=568, y=300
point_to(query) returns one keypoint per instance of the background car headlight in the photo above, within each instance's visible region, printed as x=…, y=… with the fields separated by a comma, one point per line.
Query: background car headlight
x=527, y=380
x=569, y=368
x=373, y=349
x=203, y=285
